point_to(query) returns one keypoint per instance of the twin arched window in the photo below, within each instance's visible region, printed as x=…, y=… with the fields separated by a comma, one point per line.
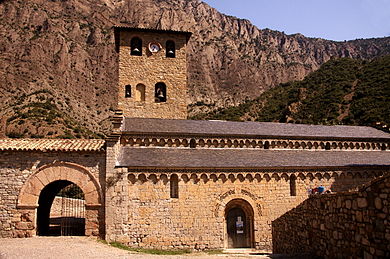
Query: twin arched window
x=160, y=92
x=136, y=47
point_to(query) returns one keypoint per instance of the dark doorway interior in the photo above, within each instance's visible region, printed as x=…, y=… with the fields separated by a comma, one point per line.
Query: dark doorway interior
x=67, y=216
x=239, y=221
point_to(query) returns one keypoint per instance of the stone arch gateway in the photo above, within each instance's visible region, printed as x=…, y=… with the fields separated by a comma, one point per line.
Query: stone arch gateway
x=28, y=199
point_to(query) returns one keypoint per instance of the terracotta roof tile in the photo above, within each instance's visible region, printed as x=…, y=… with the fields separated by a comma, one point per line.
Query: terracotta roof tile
x=52, y=144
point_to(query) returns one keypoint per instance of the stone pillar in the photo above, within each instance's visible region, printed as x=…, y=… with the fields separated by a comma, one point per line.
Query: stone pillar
x=24, y=222
x=92, y=220
x=116, y=204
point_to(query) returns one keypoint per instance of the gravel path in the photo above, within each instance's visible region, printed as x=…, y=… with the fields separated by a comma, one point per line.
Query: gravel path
x=84, y=247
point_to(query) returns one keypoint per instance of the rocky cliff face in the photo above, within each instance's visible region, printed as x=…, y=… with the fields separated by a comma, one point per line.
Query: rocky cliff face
x=67, y=48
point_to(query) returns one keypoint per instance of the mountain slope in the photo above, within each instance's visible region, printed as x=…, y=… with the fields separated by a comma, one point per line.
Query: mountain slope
x=67, y=48
x=342, y=91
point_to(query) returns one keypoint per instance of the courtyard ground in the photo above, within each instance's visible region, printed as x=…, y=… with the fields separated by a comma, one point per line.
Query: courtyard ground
x=84, y=247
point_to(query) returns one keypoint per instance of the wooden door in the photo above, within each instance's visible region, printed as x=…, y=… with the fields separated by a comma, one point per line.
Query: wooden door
x=238, y=229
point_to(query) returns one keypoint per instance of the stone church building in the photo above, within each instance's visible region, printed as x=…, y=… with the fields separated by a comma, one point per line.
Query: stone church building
x=161, y=181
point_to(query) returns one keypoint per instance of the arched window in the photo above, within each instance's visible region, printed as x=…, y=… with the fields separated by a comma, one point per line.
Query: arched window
x=160, y=93
x=293, y=186
x=174, y=186
x=170, y=49
x=140, y=93
x=127, y=91
x=136, y=46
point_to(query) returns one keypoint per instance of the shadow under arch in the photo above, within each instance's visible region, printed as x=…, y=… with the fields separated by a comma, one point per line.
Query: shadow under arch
x=239, y=219
x=70, y=222
x=63, y=173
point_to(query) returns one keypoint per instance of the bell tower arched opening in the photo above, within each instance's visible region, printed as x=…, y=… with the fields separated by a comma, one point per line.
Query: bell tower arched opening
x=239, y=224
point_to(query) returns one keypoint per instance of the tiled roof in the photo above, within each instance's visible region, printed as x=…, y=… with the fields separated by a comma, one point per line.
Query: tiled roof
x=239, y=158
x=52, y=144
x=250, y=129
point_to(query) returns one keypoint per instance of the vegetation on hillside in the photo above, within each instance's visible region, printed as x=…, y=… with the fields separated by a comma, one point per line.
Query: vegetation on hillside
x=40, y=114
x=342, y=91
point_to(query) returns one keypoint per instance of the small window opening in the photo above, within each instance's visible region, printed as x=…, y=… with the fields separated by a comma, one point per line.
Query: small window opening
x=170, y=49
x=266, y=145
x=327, y=146
x=174, y=186
x=136, y=46
x=192, y=143
x=128, y=91
x=293, y=186
x=140, y=93
x=160, y=94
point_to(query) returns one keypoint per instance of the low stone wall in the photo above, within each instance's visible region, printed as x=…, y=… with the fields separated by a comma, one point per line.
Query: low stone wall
x=342, y=225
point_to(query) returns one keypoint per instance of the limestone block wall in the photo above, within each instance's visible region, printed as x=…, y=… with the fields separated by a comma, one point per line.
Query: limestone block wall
x=150, y=69
x=343, y=225
x=146, y=215
x=16, y=170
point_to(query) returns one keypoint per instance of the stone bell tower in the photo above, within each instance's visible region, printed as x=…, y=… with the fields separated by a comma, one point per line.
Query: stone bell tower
x=152, y=72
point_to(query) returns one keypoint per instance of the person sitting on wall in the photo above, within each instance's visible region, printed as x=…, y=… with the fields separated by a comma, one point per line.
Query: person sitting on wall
x=317, y=190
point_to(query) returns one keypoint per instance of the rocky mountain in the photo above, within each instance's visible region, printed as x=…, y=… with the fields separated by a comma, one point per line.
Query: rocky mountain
x=58, y=74
x=342, y=91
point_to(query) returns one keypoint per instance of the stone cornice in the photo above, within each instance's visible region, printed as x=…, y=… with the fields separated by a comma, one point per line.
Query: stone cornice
x=145, y=140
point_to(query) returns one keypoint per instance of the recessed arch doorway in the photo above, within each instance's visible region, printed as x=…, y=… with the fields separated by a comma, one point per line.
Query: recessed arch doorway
x=239, y=224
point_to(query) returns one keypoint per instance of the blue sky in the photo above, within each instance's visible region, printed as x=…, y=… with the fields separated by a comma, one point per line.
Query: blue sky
x=329, y=19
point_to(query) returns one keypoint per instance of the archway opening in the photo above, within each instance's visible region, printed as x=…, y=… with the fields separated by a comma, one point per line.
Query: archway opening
x=160, y=93
x=239, y=224
x=61, y=210
x=140, y=93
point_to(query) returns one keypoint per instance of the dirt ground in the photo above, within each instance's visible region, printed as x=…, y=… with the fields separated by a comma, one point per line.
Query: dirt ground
x=84, y=247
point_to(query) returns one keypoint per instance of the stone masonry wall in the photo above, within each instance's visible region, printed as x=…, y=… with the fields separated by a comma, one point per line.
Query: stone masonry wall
x=149, y=69
x=15, y=169
x=342, y=225
x=62, y=206
x=146, y=216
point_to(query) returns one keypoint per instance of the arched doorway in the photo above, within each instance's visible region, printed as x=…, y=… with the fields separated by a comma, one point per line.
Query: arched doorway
x=61, y=210
x=40, y=189
x=239, y=224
